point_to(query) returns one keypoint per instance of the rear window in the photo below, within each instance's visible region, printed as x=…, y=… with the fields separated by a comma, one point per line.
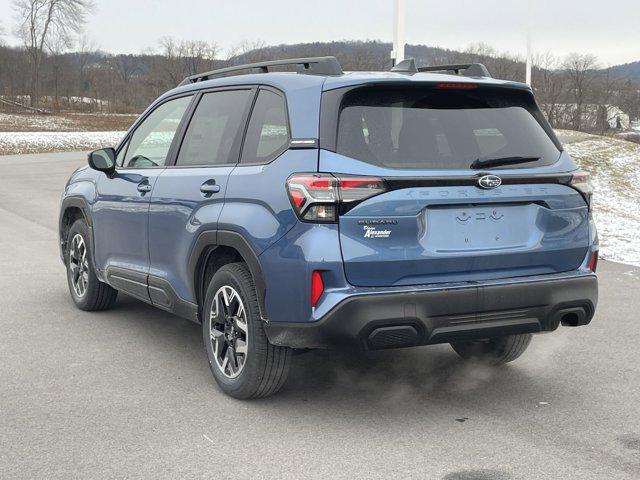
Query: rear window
x=435, y=128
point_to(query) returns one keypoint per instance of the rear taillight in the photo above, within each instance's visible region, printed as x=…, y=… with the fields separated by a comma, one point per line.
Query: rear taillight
x=320, y=197
x=580, y=181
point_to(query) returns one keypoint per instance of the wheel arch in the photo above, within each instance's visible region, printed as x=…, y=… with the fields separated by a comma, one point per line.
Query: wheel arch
x=72, y=209
x=232, y=247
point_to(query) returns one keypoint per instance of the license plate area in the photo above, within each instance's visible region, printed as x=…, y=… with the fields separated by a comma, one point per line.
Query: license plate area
x=480, y=228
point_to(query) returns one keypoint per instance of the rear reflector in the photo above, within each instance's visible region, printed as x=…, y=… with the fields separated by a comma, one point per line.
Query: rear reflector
x=317, y=287
x=593, y=261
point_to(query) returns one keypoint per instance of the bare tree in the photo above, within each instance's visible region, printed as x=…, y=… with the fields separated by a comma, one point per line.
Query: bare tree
x=198, y=55
x=604, y=91
x=500, y=65
x=171, y=61
x=43, y=23
x=629, y=99
x=580, y=70
x=248, y=52
x=85, y=48
x=549, y=85
x=363, y=57
x=179, y=59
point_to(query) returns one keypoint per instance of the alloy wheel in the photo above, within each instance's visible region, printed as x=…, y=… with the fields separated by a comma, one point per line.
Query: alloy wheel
x=78, y=265
x=229, y=331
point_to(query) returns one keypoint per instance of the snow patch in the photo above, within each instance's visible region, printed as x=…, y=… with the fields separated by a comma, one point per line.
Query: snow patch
x=31, y=142
x=614, y=165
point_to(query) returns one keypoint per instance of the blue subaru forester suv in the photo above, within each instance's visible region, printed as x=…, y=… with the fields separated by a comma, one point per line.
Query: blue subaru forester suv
x=294, y=210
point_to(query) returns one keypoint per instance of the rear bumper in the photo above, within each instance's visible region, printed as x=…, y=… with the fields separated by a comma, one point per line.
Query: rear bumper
x=445, y=314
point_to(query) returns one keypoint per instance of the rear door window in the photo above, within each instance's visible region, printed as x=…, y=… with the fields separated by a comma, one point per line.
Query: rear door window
x=213, y=135
x=431, y=128
x=268, y=131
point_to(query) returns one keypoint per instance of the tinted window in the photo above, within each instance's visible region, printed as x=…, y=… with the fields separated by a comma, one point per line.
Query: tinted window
x=150, y=143
x=214, y=129
x=268, y=132
x=431, y=128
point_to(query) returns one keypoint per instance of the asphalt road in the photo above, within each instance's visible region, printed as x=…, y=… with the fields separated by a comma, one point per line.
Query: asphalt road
x=127, y=393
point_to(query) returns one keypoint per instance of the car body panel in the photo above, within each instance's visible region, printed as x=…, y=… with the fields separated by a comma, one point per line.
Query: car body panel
x=449, y=233
x=178, y=213
x=121, y=218
x=256, y=203
x=161, y=234
x=439, y=234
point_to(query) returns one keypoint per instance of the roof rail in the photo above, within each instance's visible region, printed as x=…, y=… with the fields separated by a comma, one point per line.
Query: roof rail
x=470, y=69
x=311, y=65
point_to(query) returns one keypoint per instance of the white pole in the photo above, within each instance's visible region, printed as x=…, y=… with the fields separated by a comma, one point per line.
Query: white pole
x=529, y=53
x=528, y=67
x=398, y=31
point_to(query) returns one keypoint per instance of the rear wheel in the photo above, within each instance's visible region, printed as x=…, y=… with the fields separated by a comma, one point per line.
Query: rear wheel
x=243, y=362
x=87, y=291
x=494, y=351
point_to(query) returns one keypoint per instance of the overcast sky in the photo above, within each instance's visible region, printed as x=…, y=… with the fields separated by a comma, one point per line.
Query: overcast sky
x=608, y=29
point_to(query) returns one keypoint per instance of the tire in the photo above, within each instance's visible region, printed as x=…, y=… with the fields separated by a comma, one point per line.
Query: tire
x=94, y=295
x=493, y=351
x=254, y=368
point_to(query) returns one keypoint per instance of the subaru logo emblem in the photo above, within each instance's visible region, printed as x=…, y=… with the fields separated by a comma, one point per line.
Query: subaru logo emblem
x=489, y=181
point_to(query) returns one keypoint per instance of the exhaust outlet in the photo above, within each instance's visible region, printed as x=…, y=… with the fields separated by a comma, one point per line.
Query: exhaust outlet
x=573, y=317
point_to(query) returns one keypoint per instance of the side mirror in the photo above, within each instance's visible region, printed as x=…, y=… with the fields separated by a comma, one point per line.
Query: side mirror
x=103, y=160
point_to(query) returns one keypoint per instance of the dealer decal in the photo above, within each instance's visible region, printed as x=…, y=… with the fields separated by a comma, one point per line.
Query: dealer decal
x=373, y=232
x=377, y=228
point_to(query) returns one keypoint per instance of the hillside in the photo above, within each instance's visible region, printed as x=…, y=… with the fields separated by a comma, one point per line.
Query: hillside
x=376, y=55
x=614, y=165
x=359, y=55
x=628, y=71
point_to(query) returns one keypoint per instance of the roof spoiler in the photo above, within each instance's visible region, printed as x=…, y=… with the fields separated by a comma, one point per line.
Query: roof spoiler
x=469, y=69
x=309, y=66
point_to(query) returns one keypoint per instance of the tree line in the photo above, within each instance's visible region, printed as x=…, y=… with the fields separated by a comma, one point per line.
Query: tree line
x=57, y=68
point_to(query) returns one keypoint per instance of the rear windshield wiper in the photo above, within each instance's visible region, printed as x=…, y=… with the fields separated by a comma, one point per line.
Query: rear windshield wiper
x=497, y=161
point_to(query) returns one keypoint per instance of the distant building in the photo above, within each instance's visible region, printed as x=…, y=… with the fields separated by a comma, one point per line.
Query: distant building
x=616, y=118
x=592, y=117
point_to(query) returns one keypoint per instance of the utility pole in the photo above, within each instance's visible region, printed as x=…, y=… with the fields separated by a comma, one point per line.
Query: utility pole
x=528, y=67
x=529, y=53
x=397, y=54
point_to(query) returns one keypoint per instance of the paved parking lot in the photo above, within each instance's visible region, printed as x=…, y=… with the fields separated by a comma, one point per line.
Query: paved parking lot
x=128, y=394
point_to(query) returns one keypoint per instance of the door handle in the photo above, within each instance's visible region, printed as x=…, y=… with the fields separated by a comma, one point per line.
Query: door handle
x=209, y=187
x=144, y=187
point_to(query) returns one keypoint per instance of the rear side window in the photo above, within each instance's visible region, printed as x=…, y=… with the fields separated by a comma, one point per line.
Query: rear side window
x=433, y=128
x=214, y=130
x=268, y=131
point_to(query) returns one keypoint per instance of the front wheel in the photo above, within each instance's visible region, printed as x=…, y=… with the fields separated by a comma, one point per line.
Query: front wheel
x=494, y=351
x=243, y=362
x=87, y=291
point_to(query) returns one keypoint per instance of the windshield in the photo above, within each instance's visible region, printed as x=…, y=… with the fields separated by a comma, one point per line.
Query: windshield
x=436, y=128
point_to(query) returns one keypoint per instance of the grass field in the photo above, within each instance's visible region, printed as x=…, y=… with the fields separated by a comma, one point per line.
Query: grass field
x=28, y=133
x=65, y=122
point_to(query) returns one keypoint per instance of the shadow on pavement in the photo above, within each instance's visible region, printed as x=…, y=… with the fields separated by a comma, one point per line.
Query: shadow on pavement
x=401, y=381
